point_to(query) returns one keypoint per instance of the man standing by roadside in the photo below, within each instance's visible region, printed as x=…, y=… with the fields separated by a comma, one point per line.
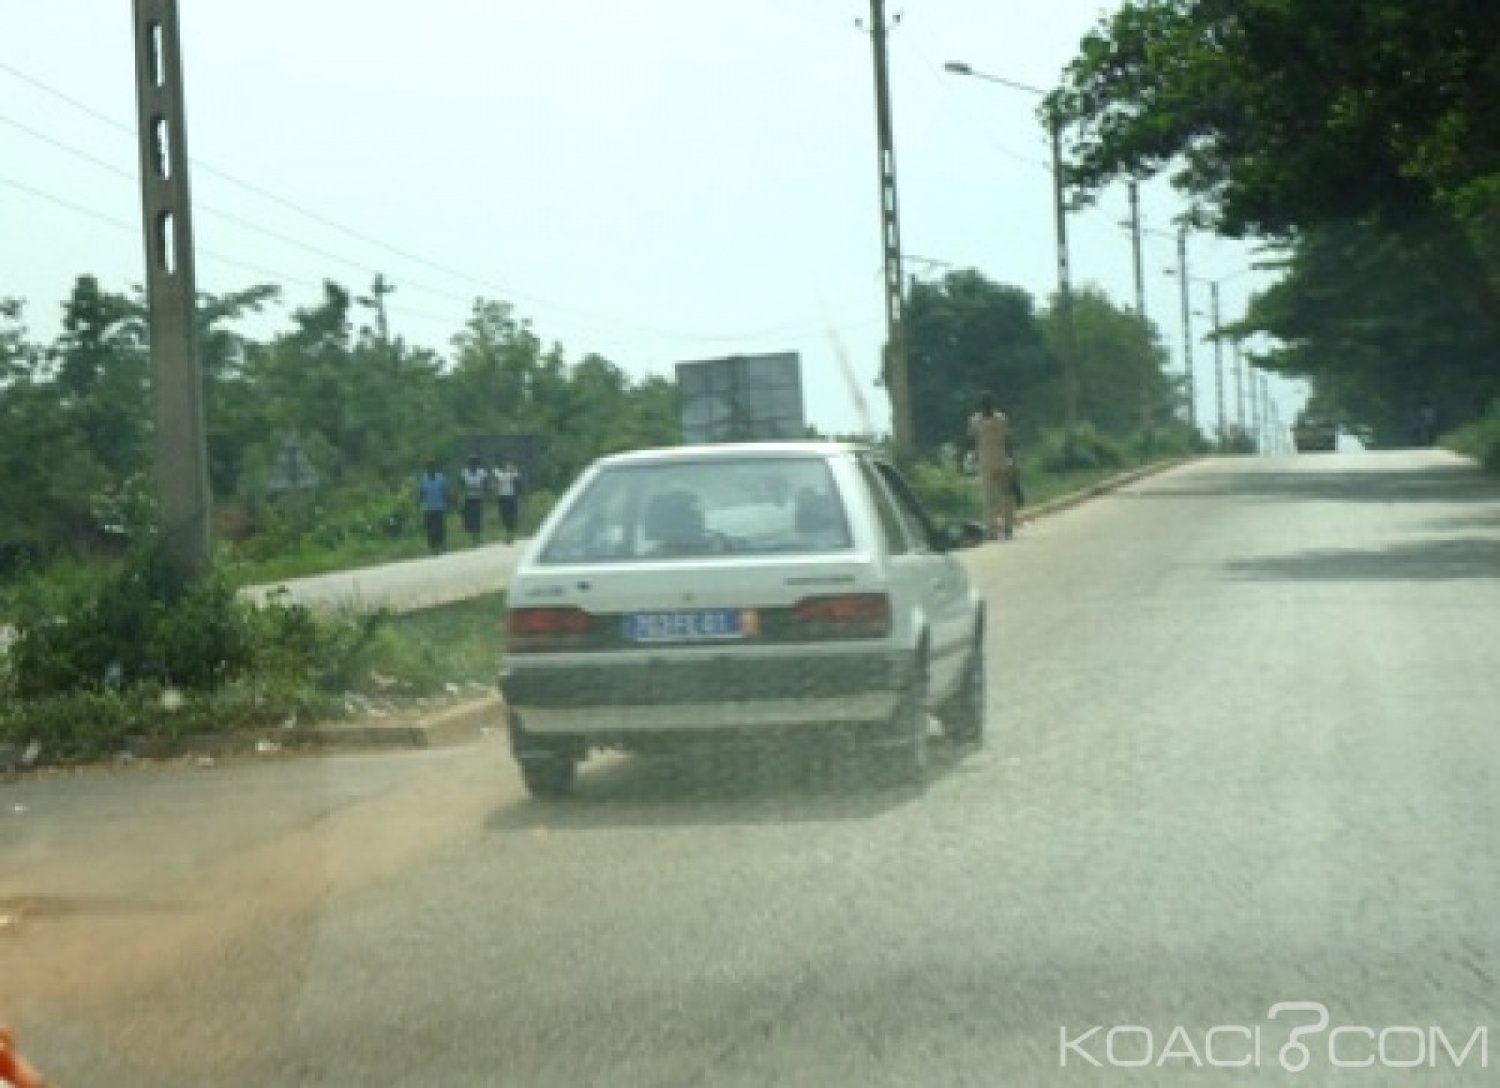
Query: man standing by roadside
x=508, y=487
x=989, y=435
x=432, y=491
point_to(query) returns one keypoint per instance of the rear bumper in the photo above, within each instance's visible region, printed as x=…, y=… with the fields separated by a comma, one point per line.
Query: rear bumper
x=596, y=697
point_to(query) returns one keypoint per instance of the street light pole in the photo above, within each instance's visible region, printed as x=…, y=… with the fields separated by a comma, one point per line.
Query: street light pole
x=1060, y=211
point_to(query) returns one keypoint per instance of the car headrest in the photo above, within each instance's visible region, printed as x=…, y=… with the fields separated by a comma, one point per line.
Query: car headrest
x=673, y=517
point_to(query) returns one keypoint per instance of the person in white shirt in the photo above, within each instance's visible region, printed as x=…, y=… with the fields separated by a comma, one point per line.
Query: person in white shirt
x=508, y=488
x=472, y=480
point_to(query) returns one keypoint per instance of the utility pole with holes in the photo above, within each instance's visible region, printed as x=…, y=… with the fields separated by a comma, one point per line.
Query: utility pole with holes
x=1135, y=248
x=171, y=291
x=894, y=365
x=1213, y=292
x=1187, y=328
x=1140, y=292
x=1064, y=279
x=1239, y=385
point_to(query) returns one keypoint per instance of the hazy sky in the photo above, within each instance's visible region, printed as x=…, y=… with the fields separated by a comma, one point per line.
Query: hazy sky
x=655, y=181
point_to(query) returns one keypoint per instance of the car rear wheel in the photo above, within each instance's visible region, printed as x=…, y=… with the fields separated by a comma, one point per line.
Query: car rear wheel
x=963, y=717
x=548, y=777
x=901, y=756
x=547, y=768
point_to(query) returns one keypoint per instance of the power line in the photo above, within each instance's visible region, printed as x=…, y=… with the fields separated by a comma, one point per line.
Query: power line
x=229, y=217
x=134, y=230
x=601, y=322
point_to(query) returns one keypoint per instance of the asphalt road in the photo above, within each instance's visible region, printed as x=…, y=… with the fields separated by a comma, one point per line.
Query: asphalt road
x=1244, y=749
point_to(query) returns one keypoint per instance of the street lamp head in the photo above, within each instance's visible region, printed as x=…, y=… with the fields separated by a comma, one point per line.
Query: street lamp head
x=958, y=66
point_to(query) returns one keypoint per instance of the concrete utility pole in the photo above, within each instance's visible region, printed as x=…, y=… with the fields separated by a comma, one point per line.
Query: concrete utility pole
x=1135, y=248
x=1064, y=279
x=1255, y=410
x=1266, y=408
x=1187, y=327
x=894, y=370
x=1140, y=291
x=1239, y=386
x=1218, y=364
x=171, y=289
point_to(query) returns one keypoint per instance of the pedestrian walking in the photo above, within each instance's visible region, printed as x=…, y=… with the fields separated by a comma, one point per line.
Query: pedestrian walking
x=432, y=492
x=508, y=489
x=473, y=479
x=989, y=437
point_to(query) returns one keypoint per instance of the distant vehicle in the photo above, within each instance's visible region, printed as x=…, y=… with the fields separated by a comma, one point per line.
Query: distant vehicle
x=781, y=591
x=1315, y=434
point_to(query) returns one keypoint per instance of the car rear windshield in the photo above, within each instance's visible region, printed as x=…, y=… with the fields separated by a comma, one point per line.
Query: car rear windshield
x=702, y=508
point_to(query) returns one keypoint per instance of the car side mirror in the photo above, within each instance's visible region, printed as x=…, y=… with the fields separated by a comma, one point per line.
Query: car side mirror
x=958, y=534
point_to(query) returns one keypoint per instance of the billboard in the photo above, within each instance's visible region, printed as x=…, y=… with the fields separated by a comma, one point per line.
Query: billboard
x=742, y=398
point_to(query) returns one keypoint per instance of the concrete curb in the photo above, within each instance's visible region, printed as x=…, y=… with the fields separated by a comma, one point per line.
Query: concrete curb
x=453, y=725
x=1103, y=487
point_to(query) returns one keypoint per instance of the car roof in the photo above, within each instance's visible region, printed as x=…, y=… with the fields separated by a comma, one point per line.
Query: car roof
x=728, y=450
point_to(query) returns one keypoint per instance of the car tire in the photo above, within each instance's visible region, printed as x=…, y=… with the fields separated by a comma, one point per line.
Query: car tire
x=963, y=716
x=547, y=768
x=901, y=753
x=549, y=777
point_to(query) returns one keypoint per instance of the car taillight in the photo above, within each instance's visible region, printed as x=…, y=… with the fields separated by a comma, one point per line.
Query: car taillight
x=851, y=615
x=528, y=630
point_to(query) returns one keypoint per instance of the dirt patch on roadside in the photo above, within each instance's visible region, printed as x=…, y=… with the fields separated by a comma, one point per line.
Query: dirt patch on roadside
x=205, y=969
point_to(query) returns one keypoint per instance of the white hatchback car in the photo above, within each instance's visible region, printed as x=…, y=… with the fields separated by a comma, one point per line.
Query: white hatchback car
x=716, y=591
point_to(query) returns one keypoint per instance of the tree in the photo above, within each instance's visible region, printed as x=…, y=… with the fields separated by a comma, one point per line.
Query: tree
x=496, y=366
x=229, y=404
x=101, y=370
x=1283, y=115
x=966, y=335
x=1364, y=314
x=48, y=474
x=1120, y=363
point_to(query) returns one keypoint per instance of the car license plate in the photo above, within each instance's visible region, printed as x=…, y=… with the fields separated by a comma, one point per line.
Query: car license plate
x=706, y=626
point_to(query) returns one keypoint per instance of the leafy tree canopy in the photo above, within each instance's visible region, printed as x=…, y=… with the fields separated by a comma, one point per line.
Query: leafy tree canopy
x=1277, y=116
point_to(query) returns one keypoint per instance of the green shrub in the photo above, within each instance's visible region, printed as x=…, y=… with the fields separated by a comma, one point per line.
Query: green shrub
x=1479, y=439
x=133, y=624
x=1173, y=439
x=1081, y=449
x=125, y=624
x=945, y=492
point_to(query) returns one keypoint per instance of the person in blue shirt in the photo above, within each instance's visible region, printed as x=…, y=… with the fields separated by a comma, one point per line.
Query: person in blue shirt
x=432, y=492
